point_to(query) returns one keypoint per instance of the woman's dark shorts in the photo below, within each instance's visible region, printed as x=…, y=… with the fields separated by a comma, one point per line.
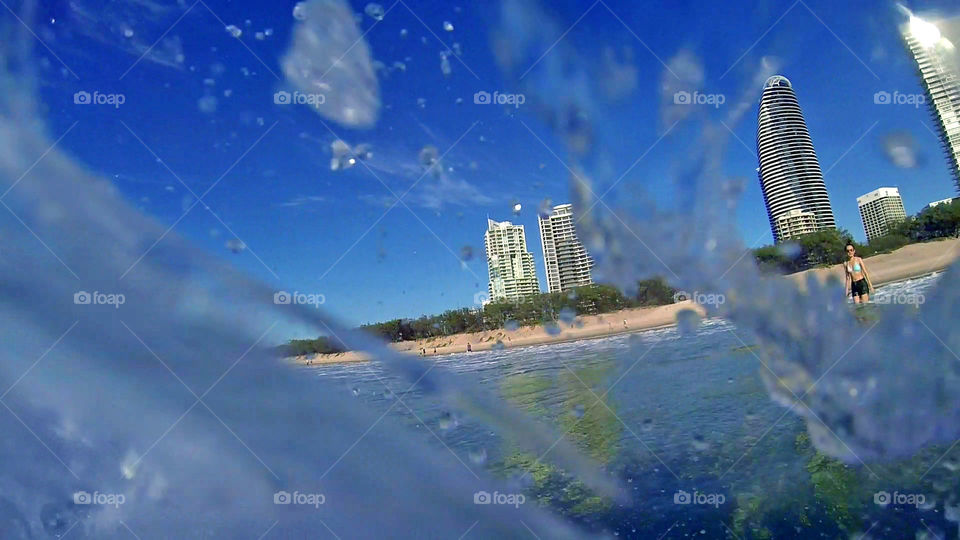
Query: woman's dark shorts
x=859, y=288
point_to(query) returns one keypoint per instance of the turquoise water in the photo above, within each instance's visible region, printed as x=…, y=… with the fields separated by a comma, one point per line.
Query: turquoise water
x=667, y=413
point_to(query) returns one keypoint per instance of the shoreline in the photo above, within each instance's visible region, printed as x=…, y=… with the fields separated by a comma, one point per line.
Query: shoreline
x=909, y=262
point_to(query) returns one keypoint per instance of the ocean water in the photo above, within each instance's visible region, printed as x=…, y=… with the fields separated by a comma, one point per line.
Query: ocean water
x=167, y=416
x=629, y=402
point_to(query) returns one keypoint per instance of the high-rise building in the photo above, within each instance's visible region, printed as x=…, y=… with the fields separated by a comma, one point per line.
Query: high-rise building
x=790, y=176
x=567, y=262
x=513, y=275
x=880, y=209
x=942, y=201
x=937, y=66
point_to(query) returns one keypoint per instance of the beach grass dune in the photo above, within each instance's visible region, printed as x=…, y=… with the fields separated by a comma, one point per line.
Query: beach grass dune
x=910, y=261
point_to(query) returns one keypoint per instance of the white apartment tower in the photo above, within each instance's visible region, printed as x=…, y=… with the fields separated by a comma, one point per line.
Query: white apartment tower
x=936, y=60
x=513, y=275
x=880, y=209
x=567, y=262
x=790, y=176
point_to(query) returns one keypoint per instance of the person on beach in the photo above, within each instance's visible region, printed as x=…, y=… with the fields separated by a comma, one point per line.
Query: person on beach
x=857, y=280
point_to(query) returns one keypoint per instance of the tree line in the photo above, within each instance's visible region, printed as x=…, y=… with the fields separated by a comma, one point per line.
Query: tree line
x=821, y=248
x=824, y=248
x=533, y=310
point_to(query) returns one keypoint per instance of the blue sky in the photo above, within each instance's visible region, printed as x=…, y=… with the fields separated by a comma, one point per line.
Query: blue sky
x=202, y=101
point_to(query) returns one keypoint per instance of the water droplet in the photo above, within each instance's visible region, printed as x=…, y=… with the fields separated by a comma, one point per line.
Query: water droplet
x=730, y=380
x=688, y=321
x=466, y=253
x=235, y=245
x=545, y=208
x=399, y=66
x=128, y=33
x=700, y=443
x=517, y=208
x=268, y=32
x=56, y=519
x=260, y=36
x=457, y=50
x=552, y=328
x=207, y=104
x=374, y=11
x=579, y=410
x=900, y=149
x=448, y=26
x=404, y=32
x=445, y=65
x=356, y=391
x=647, y=424
x=447, y=421
x=422, y=103
x=499, y=346
x=234, y=31
x=300, y=11
x=478, y=456
x=568, y=315
x=511, y=325
x=429, y=156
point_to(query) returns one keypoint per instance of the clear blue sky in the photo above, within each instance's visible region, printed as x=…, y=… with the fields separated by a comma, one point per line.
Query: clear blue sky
x=313, y=230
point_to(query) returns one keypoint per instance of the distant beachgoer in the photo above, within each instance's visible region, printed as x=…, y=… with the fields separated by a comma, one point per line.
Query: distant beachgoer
x=468, y=348
x=857, y=279
x=434, y=350
x=624, y=323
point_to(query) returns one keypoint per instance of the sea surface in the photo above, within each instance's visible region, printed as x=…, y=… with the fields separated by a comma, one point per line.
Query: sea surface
x=682, y=418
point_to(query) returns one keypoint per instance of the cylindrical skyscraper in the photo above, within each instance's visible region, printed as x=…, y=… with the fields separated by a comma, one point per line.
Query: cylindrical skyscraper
x=936, y=59
x=790, y=176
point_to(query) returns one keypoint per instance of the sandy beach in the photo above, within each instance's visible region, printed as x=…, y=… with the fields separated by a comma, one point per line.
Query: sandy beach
x=907, y=262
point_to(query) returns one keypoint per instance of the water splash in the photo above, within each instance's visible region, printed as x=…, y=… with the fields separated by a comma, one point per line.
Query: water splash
x=813, y=351
x=328, y=55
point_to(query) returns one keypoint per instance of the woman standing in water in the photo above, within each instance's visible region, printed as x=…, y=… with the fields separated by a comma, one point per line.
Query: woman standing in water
x=857, y=279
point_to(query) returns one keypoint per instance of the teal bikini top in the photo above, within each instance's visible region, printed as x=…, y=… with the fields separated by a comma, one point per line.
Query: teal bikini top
x=856, y=268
